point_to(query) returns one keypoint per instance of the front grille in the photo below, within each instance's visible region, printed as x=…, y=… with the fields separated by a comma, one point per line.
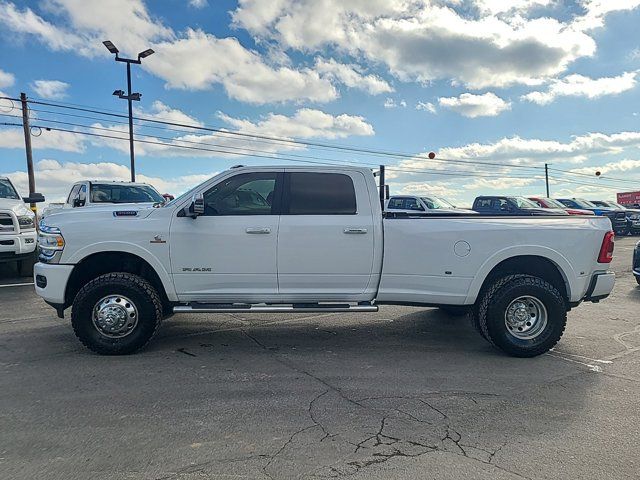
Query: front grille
x=6, y=223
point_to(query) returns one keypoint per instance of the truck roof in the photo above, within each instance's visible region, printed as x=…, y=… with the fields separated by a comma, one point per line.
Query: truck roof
x=112, y=182
x=320, y=168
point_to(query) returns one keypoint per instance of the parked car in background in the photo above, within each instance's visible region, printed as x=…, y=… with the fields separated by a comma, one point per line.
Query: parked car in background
x=499, y=205
x=632, y=214
x=546, y=202
x=428, y=204
x=618, y=217
x=636, y=262
x=17, y=228
x=88, y=193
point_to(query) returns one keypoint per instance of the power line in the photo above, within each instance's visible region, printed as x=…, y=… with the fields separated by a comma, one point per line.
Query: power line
x=591, y=176
x=347, y=148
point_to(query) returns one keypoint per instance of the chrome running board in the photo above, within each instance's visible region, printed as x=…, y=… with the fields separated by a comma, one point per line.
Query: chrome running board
x=274, y=308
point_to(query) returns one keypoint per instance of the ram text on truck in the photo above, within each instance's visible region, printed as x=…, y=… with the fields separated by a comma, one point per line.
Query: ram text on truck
x=306, y=239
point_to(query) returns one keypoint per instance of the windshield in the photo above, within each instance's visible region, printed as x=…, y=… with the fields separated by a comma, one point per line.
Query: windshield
x=523, y=203
x=124, y=193
x=7, y=190
x=554, y=203
x=436, y=203
x=584, y=203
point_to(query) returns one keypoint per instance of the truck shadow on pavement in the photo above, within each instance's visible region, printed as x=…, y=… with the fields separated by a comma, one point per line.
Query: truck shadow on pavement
x=345, y=394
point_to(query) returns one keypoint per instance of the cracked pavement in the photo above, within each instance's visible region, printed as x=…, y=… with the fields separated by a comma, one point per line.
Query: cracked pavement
x=406, y=393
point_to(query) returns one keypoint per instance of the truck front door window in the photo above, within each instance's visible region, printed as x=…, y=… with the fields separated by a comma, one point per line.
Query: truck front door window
x=244, y=194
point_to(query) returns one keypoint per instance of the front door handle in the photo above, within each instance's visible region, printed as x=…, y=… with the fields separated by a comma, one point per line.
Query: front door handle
x=258, y=230
x=355, y=230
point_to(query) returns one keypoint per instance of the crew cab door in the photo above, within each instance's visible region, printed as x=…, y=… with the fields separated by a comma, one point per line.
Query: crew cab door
x=326, y=236
x=228, y=254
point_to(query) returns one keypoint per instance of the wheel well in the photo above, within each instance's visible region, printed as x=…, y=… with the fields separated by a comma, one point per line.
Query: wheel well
x=531, y=265
x=107, y=262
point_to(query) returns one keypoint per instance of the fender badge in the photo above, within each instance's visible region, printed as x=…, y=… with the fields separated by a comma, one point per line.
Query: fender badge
x=158, y=239
x=125, y=213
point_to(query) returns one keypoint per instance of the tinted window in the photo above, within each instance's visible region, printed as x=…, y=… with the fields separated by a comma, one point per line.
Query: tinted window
x=7, y=190
x=396, y=203
x=412, y=204
x=484, y=203
x=244, y=194
x=321, y=194
x=124, y=193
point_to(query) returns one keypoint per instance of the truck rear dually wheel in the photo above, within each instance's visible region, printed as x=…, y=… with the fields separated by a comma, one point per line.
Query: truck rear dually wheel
x=522, y=315
x=116, y=313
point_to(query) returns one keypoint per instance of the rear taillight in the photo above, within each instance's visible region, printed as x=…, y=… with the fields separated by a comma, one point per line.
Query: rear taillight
x=606, y=250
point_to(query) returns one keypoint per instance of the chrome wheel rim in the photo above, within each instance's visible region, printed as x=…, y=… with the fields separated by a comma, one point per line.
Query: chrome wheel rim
x=115, y=316
x=526, y=317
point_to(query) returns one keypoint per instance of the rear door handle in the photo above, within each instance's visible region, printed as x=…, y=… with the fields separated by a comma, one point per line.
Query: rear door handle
x=258, y=230
x=355, y=230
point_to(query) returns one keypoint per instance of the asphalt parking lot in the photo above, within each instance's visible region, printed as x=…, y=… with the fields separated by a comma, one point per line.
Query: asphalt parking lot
x=406, y=393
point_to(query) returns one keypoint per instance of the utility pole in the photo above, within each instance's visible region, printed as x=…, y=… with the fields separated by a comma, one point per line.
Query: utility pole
x=27, y=144
x=130, y=96
x=546, y=177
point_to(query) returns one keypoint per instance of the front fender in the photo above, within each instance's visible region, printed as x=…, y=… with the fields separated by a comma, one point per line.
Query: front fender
x=126, y=247
x=559, y=260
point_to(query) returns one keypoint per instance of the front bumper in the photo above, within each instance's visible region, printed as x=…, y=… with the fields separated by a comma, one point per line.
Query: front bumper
x=600, y=287
x=16, y=245
x=51, y=281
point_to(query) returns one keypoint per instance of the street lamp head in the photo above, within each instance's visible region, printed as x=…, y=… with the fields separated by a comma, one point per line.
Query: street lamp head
x=136, y=96
x=110, y=46
x=118, y=93
x=146, y=53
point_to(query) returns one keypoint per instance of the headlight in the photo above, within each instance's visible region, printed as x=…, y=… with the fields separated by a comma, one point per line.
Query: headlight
x=26, y=222
x=51, y=243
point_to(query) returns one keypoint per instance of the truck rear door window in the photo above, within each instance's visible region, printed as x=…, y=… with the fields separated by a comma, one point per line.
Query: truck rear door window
x=321, y=194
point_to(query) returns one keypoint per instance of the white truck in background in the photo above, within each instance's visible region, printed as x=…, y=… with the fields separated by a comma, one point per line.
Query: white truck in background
x=315, y=239
x=95, y=193
x=17, y=228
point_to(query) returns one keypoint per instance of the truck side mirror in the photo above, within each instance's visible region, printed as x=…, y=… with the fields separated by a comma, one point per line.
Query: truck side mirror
x=197, y=205
x=34, y=198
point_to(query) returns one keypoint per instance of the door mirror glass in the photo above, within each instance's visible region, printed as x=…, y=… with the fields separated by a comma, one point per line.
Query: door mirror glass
x=197, y=205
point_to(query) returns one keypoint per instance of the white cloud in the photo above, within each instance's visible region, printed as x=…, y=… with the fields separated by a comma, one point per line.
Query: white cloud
x=519, y=150
x=426, y=106
x=198, y=3
x=597, y=10
x=64, y=141
x=625, y=165
x=6, y=79
x=424, y=41
x=50, y=89
x=54, y=178
x=581, y=86
x=472, y=106
x=391, y=103
x=351, y=76
x=160, y=111
x=199, y=60
x=305, y=123
x=192, y=60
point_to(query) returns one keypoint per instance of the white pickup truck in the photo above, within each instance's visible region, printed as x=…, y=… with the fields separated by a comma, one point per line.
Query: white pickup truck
x=96, y=193
x=302, y=239
x=17, y=228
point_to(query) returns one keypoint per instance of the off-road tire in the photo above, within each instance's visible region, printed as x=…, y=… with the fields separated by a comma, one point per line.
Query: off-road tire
x=495, y=301
x=638, y=280
x=136, y=288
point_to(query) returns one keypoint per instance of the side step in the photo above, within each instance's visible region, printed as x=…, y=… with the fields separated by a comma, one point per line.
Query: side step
x=273, y=308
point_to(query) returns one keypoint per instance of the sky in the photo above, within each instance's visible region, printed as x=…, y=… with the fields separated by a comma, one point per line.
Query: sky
x=495, y=88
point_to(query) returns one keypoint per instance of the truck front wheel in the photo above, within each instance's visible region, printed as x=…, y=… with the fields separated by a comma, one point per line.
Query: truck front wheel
x=116, y=313
x=523, y=315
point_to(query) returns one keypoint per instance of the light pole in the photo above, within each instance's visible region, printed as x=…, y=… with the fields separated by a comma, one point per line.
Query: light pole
x=129, y=97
